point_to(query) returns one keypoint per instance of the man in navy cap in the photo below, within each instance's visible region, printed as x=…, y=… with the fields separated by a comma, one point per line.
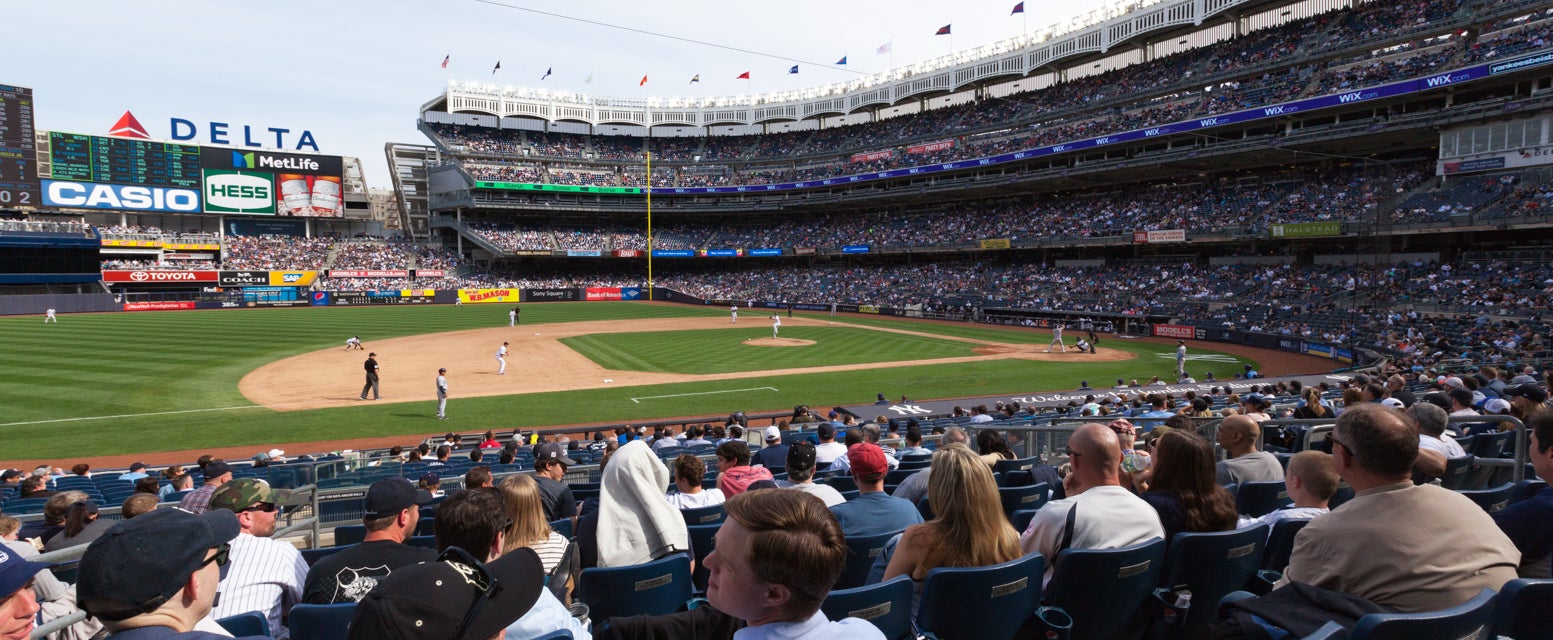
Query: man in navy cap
x=156, y=575
x=392, y=513
x=19, y=608
x=550, y=463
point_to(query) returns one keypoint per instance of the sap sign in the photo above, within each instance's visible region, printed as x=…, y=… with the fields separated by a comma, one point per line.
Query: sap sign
x=237, y=192
x=88, y=195
x=223, y=133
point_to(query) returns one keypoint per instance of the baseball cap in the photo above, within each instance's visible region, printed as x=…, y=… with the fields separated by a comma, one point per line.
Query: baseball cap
x=446, y=595
x=137, y=466
x=11, y=474
x=389, y=496
x=140, y=563
x=16, y=571
x=1530, y=392
x=773, y=434
x=1392, y=402
x=372, y=354
x=1497, y=406
x=430, y=477
x=867, y=459
x=827, y=431
x=552, y=451
x=217, y=468
x=1455, y=382
x=240, y=494
x=1523, y=379
x=800, y=455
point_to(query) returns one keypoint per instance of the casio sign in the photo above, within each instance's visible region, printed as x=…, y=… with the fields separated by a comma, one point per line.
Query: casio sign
x=61, y=193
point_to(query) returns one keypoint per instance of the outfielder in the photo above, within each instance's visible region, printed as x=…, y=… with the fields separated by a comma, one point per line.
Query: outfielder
x=734, y=311
x=442, y=394
x=48, y=316
x=353, y=342
x=512, y=317
x=1057, y=339
x=501, y=357
x=776, y=324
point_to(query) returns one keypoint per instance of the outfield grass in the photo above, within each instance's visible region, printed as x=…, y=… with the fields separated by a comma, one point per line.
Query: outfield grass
x=724, y=350
x=60, y=381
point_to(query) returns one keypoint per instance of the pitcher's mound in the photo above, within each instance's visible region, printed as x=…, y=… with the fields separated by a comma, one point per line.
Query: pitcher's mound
x=779, y=342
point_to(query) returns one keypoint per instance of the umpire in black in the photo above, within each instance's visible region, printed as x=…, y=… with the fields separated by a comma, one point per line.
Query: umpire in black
x=371, y=366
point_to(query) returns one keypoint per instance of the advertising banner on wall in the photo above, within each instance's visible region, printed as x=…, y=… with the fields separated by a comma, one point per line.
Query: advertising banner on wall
x=1159, y=235
x=871, y=156
x=431, y=273
x=293, y=278
x=485, y=296
x=301, y=185
x=996, y=243
x=1306, y=229
x=765, y=252
x=244, y=192
x=321, y=298
x=929, y=147
x=551, y=295
x=601, y=293
x=159, y=276
x=628, y=253
x=243, y=278
x=171, y=305
x=94, y=195
x=368, y=273
x=1174, y=331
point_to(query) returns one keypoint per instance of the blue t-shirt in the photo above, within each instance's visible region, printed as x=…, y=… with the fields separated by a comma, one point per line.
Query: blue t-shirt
x=1529, y=524
x=873, y=514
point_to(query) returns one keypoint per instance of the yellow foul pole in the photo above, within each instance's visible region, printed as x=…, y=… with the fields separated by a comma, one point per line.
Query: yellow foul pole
x=649, y=225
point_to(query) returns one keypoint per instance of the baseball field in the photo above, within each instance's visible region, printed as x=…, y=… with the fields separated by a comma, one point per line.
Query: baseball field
x=126, y=383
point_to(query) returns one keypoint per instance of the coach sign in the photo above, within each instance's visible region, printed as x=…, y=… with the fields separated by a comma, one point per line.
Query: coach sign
x=243, y=278
x=159, y=276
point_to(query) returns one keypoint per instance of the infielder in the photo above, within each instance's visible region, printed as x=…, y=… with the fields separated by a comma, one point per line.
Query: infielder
x=48, y=316
x=776, y=324
x=501, y=357
x=734, y=311
x=442, y=394
x=1057, y=339
x=353, y=342
x=512, y=317
x=1180, y=358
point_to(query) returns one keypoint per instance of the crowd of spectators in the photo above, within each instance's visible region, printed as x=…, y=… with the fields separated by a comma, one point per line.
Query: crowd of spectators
x=275, y=252
x=374, y=255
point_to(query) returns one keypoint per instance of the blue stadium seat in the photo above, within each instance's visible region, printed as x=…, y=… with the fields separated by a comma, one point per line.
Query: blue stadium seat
x=563, y=527
x=886, y=604
x=1257, y=499
x=915, y=463
x=897, y=476
x=349, y=534
x=1462, y=621
x=1329, y=631
x=1021, y=519
x=703, y=539
x=842, y=483
x=320, y=621
x=981, y=603
x=1280, y=543
x=1524, y=610
x=1344, y=494
x=1457, y=472
x=246, y=624
x=1492, y=500
x=1016, y=464
x=654, y=588
x=704, y=515
x=1211, y=565
x=1027, y=497
x=1105, y=591
x=426, y=526
x=862, y=551
x=925, y=508
x=849, y=495
x=427, y=542
x=312, y=556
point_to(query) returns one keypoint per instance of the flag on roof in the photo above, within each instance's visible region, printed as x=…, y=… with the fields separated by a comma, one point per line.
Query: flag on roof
x=497, y=68
x=743, y=76
x=843, y=60
x=643, y=83
x=547, y=73
x=1018, y=8
x=794, y=69
x=944, y=30
x=696, y=78
x=445, y=60
x=883, y=49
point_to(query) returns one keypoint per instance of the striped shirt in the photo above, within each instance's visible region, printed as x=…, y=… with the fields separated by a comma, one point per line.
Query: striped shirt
x=551, y=550
x=266, y=576
x=198, y=501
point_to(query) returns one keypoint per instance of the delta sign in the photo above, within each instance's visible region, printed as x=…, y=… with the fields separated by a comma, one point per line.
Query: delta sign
x=221, y=133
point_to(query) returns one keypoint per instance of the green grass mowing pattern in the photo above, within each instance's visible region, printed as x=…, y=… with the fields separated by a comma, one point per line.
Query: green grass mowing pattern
x=724, y=350
x=129, y=363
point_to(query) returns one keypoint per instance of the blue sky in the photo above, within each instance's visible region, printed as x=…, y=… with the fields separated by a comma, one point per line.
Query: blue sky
x=355, y=73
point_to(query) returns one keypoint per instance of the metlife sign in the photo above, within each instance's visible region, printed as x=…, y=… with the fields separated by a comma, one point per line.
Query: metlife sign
x=216, y=158
x=239, y=192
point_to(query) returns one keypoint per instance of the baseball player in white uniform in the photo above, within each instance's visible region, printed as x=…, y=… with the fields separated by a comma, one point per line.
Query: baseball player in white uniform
x=512, y=317
x=776, y=324
x=353, y=342
x=1057, y=339
x=442, y=394
x=48, y=316
x=734, y=311
x=1180, y=358
x=501, y=357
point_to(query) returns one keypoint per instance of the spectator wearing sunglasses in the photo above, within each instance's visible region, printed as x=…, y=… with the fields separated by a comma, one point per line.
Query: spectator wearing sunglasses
x=266, y=575
x=156, y=575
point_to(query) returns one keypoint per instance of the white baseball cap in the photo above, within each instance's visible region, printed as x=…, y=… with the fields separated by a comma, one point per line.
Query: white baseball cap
x=773, y=434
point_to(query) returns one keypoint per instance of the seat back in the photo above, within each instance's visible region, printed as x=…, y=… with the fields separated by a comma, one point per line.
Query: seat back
x=246, y=624
x=703, y=539
x=1491, y=445
x=1016, y=464
x=887, y=605
x=320, y=621
x=1257, y=499
x=1021, y=519
x=559, y=578
x=348, y=534
x=862, y=551
x=1104, y=590
x=654, y=588
x=312, y=556
x=1280, y=543
x=842, y=483
x=982, y=603
x=563, y=527
x=704, y=515
x=1212, y=565
x=1524, y=609
x=1469, y=619
x=1492, y=500
x=1457, y=471
x=1027, y=497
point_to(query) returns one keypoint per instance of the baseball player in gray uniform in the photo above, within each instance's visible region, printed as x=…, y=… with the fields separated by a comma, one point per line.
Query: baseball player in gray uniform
x=442, y=394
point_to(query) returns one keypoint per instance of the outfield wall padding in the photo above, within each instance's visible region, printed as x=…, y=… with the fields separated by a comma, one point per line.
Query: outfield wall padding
x=63, y=302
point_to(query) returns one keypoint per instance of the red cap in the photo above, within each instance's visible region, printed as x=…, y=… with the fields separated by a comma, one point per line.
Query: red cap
x=867, y=459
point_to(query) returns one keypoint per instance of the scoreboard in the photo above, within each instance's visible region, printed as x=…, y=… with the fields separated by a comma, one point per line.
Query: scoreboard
x=18, y=149
x=84, y=158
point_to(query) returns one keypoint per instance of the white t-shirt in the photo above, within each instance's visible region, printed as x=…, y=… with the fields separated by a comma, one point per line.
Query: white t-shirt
x=828, y=451
x=1109, y=517
x=1447, y=447
x=703, y=498
x=1289, y=513
x=826, y=493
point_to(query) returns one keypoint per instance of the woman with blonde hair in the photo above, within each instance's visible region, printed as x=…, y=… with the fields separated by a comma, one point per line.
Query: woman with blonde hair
x=968, y=529
x=520, y=497
x=1312, y=409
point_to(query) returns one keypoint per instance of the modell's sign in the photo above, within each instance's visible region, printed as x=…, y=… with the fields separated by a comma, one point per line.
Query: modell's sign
x=159, y=276
x=369, y=273
x=1182, y=331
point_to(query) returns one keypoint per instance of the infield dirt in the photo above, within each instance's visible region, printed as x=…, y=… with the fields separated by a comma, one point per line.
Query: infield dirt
x=538, y=362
